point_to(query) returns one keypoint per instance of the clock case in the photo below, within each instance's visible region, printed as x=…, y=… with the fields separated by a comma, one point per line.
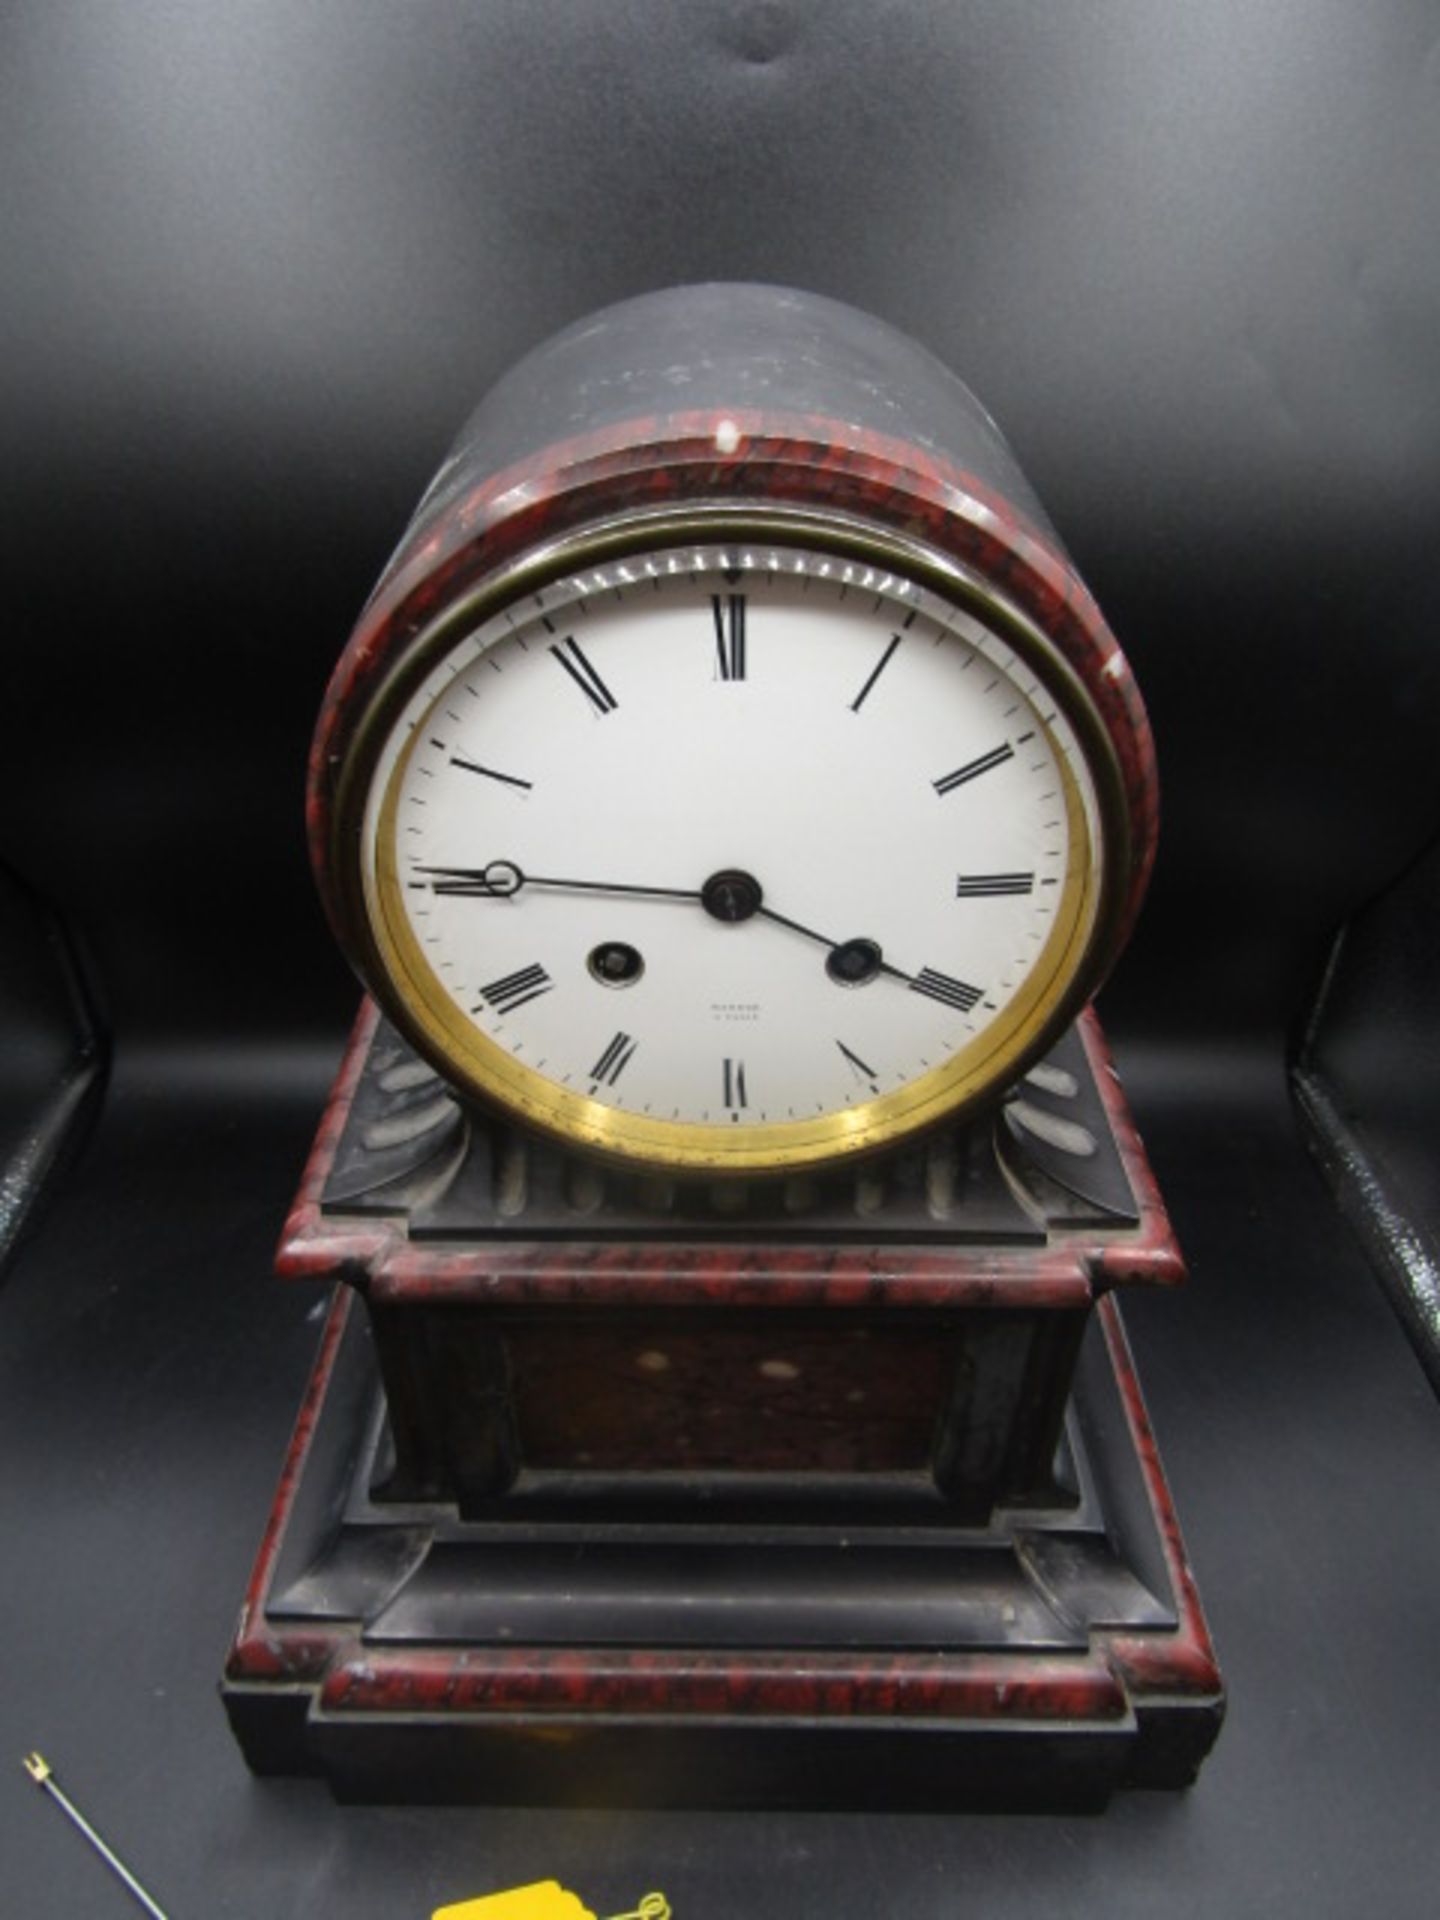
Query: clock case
x=834, y=1490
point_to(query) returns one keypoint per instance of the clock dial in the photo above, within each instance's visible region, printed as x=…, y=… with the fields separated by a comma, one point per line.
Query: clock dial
x=731, y=857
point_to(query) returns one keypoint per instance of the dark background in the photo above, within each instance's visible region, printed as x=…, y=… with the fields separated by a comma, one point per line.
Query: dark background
x=256, y=264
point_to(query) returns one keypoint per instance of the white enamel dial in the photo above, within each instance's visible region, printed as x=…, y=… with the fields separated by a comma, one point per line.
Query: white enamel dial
x=731, y=855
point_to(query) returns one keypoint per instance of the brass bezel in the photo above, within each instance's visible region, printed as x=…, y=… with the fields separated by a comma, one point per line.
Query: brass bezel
x=380, y=943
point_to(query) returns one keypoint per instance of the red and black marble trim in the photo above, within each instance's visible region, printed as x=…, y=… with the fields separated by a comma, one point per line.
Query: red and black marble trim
x=460, y=1720
x=1185, y=1664
x=261, y=1649
x=377, y=1256
x=675, y=460
x=598, y=1680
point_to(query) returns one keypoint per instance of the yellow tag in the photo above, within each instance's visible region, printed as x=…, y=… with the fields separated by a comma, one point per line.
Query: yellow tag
x=545, y=1900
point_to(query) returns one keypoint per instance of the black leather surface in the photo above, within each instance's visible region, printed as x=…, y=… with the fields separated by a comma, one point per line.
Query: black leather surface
x=258, y=265
x=52, y=1056
x=1367, y=1087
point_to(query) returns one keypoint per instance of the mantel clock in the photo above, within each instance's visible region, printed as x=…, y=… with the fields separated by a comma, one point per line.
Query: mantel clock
x=731, y=799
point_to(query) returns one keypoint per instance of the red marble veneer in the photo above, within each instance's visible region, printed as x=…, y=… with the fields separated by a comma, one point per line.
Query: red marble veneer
x=674, y=460
x=581, y=1327
x=500, y=1722
x=683, y=1355
x=392, y=1270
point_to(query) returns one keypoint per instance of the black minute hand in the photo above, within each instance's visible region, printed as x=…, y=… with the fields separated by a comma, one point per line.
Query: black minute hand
x=502, y=879
x=729, y=896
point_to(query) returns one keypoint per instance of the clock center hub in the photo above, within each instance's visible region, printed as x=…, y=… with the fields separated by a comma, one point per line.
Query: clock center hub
x=731, y=895
x=854, y=963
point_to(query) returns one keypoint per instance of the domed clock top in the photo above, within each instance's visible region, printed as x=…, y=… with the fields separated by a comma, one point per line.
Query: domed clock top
x=739, y=783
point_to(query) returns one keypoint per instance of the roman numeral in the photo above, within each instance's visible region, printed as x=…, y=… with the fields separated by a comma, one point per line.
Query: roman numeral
x=729, y=612
x=885, y=658
x=996, y=757
x=865, y=1073
x=950, y=993
x=984, y=886
x=473, y=766
x=578, y=666
x=614, y=1060
x=734, y=1083
x=515, y=989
